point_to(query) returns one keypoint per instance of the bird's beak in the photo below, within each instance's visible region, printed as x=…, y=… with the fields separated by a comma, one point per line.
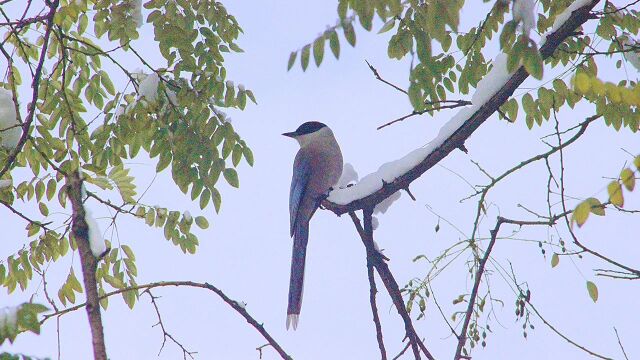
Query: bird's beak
x=290, y=134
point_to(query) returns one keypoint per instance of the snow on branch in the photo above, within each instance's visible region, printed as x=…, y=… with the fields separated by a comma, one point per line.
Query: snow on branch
x=10, y=130
x=492, y=92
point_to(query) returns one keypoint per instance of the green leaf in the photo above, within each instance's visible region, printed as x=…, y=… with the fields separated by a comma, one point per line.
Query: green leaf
x=318, y=50
x=236, y=154
x=217, y=200
x=202, y=222
x=292, y=60
x=304, y=57
x=636, y=162
x=415, y=96
x=51, y=188
x=106, y=82
x=334, y=44
x=232, y=177
x=533, y=62
x=248, y=154
x=43, y=209
x=349, y=33
x=628, y=179
x=388, y=26
x=593, y=291
x=204, y=198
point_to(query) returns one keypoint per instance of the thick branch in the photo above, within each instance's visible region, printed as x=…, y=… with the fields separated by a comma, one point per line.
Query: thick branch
x=80, y=233
x=374, y=309
x=577, y=18
x=366, y=235
x=372, y=292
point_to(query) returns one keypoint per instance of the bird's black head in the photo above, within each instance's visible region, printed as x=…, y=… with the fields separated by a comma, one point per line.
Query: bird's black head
x=306, y=128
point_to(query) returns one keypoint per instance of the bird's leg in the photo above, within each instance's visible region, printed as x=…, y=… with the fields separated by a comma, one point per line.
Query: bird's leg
x=323, y=197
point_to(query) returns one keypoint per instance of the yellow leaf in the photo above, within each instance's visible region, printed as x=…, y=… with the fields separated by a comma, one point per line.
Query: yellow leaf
x=596, y=206
x=583, y=83
x=555, y=259
x=636, y=162
x=593, y=291
x=615, y=193
x=628, y=179
x=581, y=213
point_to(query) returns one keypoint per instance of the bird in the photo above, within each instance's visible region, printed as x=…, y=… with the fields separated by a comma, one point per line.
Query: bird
x=316, y=169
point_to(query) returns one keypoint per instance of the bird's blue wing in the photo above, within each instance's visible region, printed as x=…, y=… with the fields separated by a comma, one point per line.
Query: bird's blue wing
x=299, y=182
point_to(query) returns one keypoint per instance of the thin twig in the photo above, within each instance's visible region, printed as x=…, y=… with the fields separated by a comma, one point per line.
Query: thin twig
x=455, y=104
x=166, y=334
x=377, y=75
x=620, y=343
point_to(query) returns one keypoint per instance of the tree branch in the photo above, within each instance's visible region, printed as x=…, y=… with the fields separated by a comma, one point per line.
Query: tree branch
x=374, y=308
x=234, y=304
x=166, y=334
x=80, y=233
x=35, y=85
x=366, y=235
x=577, y=18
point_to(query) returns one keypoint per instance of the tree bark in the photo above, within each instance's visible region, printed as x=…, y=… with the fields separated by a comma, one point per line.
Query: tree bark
x=80, y=233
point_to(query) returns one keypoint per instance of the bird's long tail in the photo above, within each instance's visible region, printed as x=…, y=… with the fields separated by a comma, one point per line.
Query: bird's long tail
x=296, y=283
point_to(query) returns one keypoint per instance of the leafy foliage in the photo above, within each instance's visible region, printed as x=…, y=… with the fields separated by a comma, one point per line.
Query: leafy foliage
x=21, y=318
x=87, y=119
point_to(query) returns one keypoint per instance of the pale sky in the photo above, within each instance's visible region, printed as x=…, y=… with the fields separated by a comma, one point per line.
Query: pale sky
x=246, y=251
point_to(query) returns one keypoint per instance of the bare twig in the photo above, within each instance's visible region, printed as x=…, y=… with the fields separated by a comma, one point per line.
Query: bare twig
x=455, y=104
x=377, y=75
x=404, y=349
x=620, y=343
x=166, y=334
x=550, y=326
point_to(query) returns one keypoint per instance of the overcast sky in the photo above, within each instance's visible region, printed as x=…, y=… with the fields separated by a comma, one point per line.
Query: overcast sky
x=246, y=251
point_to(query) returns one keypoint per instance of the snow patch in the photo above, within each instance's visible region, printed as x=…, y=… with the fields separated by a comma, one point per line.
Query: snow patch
x=374, y=225
x=633, y=56
x=9, y=132
x=96, y=242
x=524, y=13
x=382, y=207
x=492, y=82
x=149, y=87
x=137, y=12
x=563, y=17
x=9, y=317
x=5, y=183
x=349, y=174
